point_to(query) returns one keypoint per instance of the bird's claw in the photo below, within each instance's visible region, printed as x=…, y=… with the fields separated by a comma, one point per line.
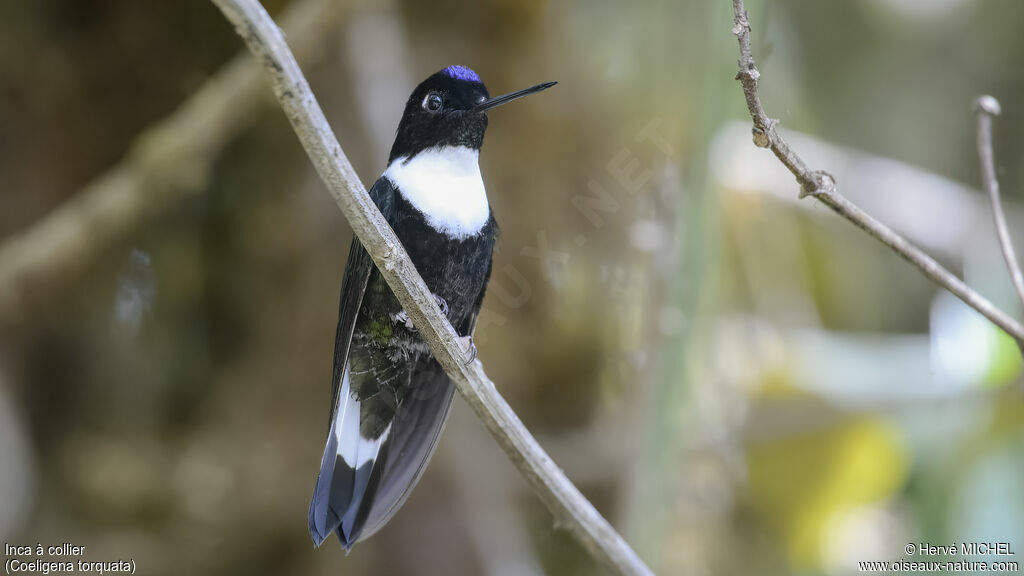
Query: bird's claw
x=466, y=342
x=443, y=304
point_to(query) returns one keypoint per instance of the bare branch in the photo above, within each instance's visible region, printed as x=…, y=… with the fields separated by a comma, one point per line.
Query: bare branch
x=822, y=186
x=165, y=164
x=570, y=508
x=987, y=108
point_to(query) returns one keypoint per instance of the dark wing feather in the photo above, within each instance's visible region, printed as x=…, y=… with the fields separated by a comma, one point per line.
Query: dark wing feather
x=418, y=424
x=416, y=428
x=357, y=496
x=353, y=286
x=323, y=519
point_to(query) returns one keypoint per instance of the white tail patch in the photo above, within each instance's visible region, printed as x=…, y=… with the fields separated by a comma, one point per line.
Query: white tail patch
x=352, y=447
x=445, y=185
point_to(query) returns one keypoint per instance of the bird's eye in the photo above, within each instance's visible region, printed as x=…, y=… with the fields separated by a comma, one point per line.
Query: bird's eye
x=432, y=103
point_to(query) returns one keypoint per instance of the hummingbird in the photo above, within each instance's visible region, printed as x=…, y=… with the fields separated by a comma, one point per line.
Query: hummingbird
x=391, y=398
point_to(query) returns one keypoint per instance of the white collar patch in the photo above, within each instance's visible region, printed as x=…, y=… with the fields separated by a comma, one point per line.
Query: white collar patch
x=445, y=185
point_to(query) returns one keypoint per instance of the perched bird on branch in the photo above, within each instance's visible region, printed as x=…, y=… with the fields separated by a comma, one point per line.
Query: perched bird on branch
x=391, y=398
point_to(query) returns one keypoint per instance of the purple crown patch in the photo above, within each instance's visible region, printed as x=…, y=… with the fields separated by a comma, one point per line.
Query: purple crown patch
x=462, y=73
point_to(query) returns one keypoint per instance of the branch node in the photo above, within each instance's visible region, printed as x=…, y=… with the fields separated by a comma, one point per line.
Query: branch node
x=986, y=104
x=764, y=132
x=742, y=24
x=389, y=258
x=761, y=139
x=818, y=183
x=748, y=72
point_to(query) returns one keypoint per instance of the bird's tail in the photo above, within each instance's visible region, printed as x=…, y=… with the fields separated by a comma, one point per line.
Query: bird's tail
x=363, y=481
x=345, y=471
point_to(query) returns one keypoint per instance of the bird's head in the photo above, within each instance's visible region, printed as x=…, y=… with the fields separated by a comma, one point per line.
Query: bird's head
x=449, y=109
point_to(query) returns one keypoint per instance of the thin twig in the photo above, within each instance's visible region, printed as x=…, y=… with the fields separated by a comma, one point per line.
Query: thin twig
x=987, y=108
x=822, y=186
x=570, y=508
x=164, y=165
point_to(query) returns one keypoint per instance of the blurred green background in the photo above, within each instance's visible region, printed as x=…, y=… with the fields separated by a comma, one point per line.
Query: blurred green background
x=741, y=382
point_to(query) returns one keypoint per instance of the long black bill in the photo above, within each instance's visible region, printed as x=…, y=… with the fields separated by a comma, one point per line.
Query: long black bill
x=506, y=98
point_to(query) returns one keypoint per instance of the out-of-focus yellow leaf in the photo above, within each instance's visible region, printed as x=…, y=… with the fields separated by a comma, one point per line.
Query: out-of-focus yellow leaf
x=1005, y=362
x=800, y=483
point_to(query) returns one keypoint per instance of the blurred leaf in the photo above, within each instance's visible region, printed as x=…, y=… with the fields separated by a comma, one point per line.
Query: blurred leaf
x=1005, y=361
x=802, y=483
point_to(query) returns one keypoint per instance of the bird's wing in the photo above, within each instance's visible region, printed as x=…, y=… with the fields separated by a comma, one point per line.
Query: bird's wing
x=353, y=286
x=416, y=429
x=412, y=437
x=322, y=518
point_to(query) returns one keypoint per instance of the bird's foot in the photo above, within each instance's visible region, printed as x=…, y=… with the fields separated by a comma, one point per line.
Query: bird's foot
x=466, y=342
x=443, y=304
x=403, y=318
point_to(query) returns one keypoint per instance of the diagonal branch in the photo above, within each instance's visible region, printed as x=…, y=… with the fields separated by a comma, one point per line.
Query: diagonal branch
x=165, y=164
x=987, y=108
x=565, y=501
x=822, y=186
